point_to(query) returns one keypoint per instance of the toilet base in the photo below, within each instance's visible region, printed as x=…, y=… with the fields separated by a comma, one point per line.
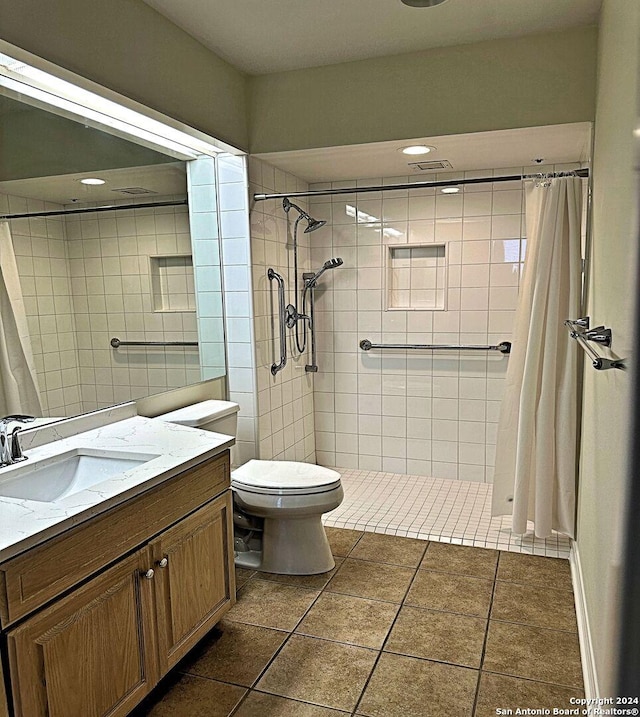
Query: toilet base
x=248, y=559
x=296, y=546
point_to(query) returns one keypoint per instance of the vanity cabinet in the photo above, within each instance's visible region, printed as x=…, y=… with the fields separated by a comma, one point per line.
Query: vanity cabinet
x=99, y=648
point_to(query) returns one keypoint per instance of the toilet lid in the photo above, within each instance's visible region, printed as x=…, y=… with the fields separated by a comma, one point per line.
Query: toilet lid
x=284, y=475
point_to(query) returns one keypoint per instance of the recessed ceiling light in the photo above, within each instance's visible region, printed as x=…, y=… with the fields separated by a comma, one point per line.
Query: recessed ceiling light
x=450, y=190
x=423, y=3
x=92, y=180
x=416, y=149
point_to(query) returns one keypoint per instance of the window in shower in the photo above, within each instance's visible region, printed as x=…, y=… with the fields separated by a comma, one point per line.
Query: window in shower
x=417, y=277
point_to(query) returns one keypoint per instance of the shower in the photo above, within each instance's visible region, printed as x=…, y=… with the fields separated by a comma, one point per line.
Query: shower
x=289, y=315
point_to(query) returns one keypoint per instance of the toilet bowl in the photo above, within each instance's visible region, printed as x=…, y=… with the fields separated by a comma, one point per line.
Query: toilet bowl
x=290, y=498
x=278, y=505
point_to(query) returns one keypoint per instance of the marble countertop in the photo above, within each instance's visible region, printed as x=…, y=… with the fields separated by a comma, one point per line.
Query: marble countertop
x=25, y=523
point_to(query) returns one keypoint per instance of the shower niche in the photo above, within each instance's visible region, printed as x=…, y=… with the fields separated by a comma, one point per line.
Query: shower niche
x=416, y=277
x=172, y=283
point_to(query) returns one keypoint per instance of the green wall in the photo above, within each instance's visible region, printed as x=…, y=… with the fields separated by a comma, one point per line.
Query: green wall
x=502, y=84
x=612, y=290
x=35, y=143
x=130, y=48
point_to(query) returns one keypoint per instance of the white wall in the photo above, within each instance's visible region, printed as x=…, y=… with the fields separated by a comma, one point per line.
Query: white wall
x=285, y=401
x=416, y=412
x=612, y=294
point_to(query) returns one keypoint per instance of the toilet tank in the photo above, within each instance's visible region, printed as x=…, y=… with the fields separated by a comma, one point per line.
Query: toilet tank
x=217, y=416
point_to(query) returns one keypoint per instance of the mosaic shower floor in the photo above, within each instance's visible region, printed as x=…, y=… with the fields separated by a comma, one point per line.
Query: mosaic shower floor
x=447, y=511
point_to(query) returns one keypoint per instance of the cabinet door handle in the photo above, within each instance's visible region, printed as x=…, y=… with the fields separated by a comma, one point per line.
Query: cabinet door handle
x=148, y=574
x=164, y=562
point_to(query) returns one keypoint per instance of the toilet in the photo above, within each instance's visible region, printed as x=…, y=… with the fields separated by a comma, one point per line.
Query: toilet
x=278, y=505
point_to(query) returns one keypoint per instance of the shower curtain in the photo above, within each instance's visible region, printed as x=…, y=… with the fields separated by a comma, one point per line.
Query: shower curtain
x=18, y=382
x=535, y=473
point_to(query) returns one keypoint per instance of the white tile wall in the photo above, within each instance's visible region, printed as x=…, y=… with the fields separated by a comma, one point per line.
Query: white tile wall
x=416, y=412
x=285, y=401
x=233, y=203
x=42, y=259
x=109, y=261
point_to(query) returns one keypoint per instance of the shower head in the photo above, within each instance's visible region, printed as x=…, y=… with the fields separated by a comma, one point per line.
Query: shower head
x=312, y=224
x=329, y=264
x=332, y=263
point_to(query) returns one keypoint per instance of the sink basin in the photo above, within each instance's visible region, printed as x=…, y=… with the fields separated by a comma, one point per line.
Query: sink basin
x=51, y=479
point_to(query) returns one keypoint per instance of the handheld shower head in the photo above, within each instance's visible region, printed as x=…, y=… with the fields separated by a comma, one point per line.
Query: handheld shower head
x=332, y=263
x=312, y=224
x=329, y=264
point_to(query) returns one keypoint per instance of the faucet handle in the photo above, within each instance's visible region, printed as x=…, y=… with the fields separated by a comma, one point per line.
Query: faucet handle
x=19, y=417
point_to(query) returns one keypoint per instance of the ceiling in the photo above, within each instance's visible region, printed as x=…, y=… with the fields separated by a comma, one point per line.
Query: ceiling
x=555, y=144
x=261, y=37
x=161, y=180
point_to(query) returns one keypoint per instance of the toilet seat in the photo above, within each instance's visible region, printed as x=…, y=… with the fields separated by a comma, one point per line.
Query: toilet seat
x=284, y=478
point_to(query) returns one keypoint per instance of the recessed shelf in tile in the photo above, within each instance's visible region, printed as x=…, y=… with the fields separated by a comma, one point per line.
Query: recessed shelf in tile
x=172, y=283
x=416, y=277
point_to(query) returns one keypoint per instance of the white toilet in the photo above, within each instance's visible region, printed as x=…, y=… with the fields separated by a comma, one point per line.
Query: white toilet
x=278, y=505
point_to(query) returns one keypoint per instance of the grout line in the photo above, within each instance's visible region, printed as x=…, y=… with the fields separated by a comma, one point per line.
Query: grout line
x=375, y=664
x=486, y=638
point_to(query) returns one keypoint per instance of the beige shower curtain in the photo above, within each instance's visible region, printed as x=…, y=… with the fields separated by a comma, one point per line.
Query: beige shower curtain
x=18, y=382
x=535, y=474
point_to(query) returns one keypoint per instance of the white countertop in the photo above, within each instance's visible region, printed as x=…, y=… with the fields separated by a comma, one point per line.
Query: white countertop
x=25, y=523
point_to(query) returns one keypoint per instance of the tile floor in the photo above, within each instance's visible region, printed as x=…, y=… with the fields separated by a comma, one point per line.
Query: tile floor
x=400, y=628
x=451, y=511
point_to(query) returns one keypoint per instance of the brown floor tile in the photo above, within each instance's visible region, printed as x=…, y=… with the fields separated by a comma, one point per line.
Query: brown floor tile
x=376, y=581
x=325, y=673
x=345, y=618
x=259, y=704
x=532, y=605
x=451, y=593
x=534, y=653
x=242, y=576
x=498, y=691
x=192, y=696
x=438, y=636
x=342, y=540
x=234, y=652
x=389, y=549
x=315, y=582
x=535, y=570
x=407, y=687
x=461, y=559
x=269, y=604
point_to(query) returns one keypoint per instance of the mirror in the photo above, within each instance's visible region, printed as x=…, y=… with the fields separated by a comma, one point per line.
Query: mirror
x=89, y=277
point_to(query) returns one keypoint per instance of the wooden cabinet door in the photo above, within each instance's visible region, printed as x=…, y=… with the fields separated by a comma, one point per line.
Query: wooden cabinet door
x=92, y=653
x=195, y=579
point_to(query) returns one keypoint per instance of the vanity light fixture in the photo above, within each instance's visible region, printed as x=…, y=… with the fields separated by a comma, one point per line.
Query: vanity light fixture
x=450, y=190
x=19, y=79
x=416, y=149
x=92, y=181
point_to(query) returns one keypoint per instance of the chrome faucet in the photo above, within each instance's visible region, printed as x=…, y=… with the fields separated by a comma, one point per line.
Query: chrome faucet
x=10, y=449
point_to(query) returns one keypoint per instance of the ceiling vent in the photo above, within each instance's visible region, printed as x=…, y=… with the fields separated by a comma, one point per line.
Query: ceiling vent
x=133, y=190
x=431, y=166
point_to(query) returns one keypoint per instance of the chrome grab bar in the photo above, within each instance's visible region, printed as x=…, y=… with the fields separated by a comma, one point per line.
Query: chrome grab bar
x=116, y=343
x=504, y=347
x=580, y=331
x=275, y=367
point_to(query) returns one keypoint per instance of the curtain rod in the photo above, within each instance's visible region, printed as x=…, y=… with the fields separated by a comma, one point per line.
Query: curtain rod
x=85, y=210
x=416, y=185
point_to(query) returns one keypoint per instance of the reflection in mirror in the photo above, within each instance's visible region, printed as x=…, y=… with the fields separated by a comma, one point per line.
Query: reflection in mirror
x=80, y=279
